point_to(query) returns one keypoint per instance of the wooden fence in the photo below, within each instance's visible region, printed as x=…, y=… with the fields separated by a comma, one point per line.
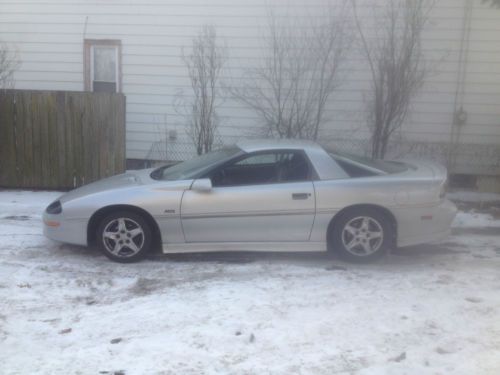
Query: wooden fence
x=58, y=139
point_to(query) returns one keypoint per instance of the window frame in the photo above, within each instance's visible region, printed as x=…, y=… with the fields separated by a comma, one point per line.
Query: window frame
x=313, y=176
x=88, y=52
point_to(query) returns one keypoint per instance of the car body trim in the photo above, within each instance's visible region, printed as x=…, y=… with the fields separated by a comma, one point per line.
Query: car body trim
x=204, y=247
x=247, y=214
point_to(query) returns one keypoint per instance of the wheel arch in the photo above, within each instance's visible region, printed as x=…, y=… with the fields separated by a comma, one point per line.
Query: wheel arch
x=386, y=212
x=101, y=213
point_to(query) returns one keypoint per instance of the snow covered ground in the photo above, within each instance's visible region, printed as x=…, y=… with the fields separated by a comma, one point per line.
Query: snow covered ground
x=431, y=309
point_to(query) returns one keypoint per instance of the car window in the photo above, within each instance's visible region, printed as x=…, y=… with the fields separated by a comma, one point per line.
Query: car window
x=270, y=158
x=354, y=170
x=359, y=166
x=294, y=168
x=264, y=168
x=195, y=167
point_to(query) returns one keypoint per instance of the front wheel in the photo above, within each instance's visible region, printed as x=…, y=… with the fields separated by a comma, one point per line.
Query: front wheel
x=361, y=235
x=124, y=237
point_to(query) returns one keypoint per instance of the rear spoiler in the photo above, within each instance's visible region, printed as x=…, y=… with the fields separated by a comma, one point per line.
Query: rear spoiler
x=427, y=169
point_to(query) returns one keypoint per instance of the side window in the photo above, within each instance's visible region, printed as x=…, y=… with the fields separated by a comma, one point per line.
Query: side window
x=294, y=168
x=102, y=65
x=354, y=170
x=271, y=158
x=264, y=168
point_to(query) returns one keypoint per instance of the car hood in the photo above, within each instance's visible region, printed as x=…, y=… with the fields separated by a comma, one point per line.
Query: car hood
x=124, y=180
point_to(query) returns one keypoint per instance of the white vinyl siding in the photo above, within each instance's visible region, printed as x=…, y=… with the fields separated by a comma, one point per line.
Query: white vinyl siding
x=49, y=35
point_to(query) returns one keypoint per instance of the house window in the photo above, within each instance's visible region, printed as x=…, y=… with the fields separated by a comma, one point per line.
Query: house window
x=102, y=65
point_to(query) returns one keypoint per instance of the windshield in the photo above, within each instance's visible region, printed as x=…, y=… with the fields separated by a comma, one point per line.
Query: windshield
x=381, y=165
x=193, y=168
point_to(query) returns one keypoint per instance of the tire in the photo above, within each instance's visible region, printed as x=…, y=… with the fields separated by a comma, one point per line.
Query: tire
x=361, y=235
x=124, y=237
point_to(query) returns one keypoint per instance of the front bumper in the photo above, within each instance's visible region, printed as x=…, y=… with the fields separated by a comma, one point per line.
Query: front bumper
x=418, y=225
x=68, y=230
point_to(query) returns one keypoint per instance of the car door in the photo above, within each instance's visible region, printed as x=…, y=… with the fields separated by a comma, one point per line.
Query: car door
x=261, y=197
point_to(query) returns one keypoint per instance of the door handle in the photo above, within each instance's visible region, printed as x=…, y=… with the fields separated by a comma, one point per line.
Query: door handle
x=298, y=196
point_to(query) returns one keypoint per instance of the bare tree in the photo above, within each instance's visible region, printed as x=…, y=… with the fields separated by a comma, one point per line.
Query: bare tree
x=8, y=64
x=204, y=63
x=396, y=64
x=299, y=72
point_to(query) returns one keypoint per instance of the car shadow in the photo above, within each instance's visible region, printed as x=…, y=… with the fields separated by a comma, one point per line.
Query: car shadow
x=245, y=257
x=420, y=254
x=447, y=248
x=83, y=251
x=416, y=254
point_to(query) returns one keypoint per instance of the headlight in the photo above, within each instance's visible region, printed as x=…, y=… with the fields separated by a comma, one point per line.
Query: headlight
x=54, y=208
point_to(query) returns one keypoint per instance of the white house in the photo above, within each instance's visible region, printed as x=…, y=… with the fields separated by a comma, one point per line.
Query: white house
x=134, y=47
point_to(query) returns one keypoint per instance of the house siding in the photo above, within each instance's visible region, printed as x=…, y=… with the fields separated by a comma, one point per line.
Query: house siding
x=49, y=35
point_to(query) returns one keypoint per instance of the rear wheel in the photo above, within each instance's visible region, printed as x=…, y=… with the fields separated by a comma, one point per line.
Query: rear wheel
x=361, y=235
x=124, y=237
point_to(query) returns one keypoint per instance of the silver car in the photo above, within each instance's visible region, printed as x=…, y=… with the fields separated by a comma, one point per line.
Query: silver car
x=259, y=196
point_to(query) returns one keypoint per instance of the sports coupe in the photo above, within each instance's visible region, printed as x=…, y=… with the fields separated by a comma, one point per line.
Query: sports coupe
x=259, y=196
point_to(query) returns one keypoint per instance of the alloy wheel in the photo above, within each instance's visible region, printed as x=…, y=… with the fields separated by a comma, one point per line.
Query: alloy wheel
x=362, y=236
x=123, y=237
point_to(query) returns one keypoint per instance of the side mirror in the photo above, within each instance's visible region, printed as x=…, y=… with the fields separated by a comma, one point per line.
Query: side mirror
x=202, y=185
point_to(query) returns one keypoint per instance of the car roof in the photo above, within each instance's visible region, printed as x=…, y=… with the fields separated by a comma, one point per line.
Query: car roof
x=273, y=144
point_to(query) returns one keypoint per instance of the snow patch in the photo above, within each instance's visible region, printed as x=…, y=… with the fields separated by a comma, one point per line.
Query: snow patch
x=68, y=310
x=473, y=197
x=475, y=220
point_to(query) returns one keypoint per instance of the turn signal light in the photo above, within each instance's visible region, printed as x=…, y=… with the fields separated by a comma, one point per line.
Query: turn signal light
x=53, y=224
